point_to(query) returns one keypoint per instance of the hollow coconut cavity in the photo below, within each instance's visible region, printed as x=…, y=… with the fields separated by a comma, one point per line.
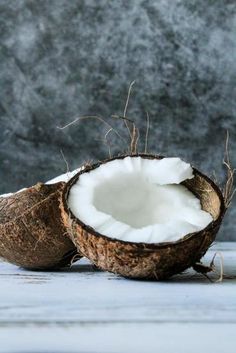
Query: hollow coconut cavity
x=142, y=216
x=31, y=231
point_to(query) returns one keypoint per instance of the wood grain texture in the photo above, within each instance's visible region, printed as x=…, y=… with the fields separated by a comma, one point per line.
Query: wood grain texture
x=85, y=310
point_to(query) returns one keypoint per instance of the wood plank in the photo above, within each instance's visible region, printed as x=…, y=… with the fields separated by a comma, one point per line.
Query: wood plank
x=83, y=295
x=120, y=338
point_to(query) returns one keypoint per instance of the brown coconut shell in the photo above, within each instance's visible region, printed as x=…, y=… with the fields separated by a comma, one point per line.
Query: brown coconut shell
x=32, y=234
x=140, y=260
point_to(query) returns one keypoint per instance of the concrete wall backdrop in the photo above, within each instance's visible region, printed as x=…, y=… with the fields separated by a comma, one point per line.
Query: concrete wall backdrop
x=60, y=59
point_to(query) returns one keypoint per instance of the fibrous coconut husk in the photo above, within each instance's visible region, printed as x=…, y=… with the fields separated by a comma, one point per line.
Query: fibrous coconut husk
x=140, y=260
x=31, y=231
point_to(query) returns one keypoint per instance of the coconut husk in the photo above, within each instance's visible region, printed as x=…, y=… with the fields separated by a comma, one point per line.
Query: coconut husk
x=31, y=231
x=150, y=261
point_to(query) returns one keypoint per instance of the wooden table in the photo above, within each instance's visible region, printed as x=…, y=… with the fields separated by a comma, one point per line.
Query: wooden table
x=85, y=310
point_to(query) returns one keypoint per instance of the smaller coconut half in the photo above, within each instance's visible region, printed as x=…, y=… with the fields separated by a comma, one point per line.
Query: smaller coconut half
x=142, y=216
x=32, y=234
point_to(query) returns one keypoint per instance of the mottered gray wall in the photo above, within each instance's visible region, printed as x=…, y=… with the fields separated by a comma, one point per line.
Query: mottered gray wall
x=60, y=59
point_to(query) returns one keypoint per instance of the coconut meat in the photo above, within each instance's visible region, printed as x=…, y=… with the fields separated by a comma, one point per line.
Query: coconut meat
x=139, y=200
x=63, y=177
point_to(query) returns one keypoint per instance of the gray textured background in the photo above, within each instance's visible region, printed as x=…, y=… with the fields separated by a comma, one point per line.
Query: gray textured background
x=60, y=59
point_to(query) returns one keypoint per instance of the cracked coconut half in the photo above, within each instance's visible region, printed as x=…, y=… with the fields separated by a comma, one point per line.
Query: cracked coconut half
x=142, y=216
x=32, y=234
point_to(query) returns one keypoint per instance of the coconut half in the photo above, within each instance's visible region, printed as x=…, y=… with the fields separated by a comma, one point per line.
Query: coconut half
x=32, y=234
x=142, y=216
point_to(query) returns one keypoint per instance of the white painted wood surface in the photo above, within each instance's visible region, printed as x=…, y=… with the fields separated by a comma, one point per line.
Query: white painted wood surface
x=85, y=310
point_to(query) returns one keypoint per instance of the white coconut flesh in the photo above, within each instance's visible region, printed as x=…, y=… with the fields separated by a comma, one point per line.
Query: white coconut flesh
x=63, y=177
x=138, y=200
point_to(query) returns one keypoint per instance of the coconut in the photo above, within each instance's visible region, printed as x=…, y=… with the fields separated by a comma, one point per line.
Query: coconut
x=31, y=231
x=142, y=216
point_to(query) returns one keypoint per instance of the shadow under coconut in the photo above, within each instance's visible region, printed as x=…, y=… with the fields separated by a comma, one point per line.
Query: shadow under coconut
x=188, y=277
x=81, y=268
x=185, y=279
x=197, y=278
